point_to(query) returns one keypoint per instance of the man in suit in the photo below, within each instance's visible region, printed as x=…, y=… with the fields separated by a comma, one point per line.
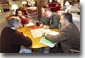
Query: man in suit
x=68, y=37
x=49, y=20
x=11, y=40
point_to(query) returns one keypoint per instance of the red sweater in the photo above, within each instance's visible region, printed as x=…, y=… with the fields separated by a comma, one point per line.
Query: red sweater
x=24, y=21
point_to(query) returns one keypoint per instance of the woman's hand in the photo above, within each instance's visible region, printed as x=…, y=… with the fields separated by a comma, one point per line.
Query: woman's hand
x=23, y=17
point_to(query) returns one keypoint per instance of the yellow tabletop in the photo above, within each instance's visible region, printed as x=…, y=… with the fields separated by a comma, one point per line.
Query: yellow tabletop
x=35, y=41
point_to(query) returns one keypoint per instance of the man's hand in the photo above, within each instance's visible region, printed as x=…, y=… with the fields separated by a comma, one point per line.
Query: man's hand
x=46, y=27
x=41, y=25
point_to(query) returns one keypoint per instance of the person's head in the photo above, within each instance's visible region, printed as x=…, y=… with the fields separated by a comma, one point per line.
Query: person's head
x=48, y=13
x=14, y=22
x=66, y=18
x=19, y=12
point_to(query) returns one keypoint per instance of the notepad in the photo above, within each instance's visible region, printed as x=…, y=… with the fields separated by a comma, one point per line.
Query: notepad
x=47, y=42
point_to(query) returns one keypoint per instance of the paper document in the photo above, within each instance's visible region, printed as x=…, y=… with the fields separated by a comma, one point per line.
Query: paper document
x=53, y=33
x=37, y=32
x=41, y=31
x=47, y=42
x=30, y=24
x=48, y=31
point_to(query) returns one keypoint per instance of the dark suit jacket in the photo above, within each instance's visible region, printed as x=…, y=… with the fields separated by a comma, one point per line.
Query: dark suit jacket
x=69, y=38
x=52, y=22
x=11, y=40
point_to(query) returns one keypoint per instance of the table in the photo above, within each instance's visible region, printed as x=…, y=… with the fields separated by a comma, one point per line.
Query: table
x=35, y=41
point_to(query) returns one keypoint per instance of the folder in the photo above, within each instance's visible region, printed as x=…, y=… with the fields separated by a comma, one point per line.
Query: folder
x=47, y=42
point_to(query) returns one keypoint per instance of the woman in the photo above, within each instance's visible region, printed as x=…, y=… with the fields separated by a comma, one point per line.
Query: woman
x=25, y=10
x=24, y=20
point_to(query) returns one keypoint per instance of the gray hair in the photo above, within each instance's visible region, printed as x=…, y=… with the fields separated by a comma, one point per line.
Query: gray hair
x=12, y=21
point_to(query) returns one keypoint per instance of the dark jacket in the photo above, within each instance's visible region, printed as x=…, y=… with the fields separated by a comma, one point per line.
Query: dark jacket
x=69, y=38
x=52, y=22
x=11, y=40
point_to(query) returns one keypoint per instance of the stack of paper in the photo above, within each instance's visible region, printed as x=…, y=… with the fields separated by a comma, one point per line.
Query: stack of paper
x=47, y=42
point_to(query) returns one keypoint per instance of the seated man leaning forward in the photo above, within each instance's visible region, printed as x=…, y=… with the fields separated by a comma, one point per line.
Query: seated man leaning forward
x=49, y=20
x=69, y=37
x=11, y=40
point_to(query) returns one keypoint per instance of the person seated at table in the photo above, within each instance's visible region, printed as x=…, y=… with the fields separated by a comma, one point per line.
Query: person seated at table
x=44, y=19
x=49, y=20
x=25, y=9
x=24, y=20
x=68, y=37
x=11, y=40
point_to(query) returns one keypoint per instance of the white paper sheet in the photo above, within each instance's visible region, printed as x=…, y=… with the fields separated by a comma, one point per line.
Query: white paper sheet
x=41, y=31
x=37, y=32
x=48, y=31
x=30, y=24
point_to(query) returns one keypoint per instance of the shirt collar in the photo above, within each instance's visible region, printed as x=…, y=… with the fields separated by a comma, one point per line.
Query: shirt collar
x=13, y=28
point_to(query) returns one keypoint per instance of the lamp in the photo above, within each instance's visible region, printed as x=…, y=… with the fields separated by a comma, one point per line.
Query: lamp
x=24, y=2
x=31, y=2
x=67, y=5
x=14, y=7
x=50, y=0
x=58, y=0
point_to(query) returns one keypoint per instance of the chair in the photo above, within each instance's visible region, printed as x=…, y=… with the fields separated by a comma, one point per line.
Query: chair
x=74, y=51
x=53, y=7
